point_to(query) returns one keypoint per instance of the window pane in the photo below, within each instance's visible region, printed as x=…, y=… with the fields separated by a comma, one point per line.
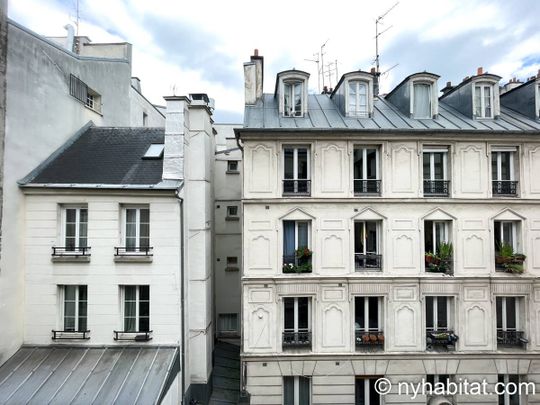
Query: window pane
x=288, y=308
x=69, y=323
x=487, y=101
x=289, y=163
x=499, y=312
x=477, y=101
x=371, y=164
x=494, y=171
x=70, y=292
x=428, y=237
x=352, y=97
x=514, y=398
x=83, y=215
x=505, y=166
x=298, y=99
x=497, y=238
x=82, y=323
x=507, y=233
x=144, y=292
x=421, y=102
x=371, y=237
x=429, y=312
x=373, y=313
x=304, y=391
x=70, y=230
x=442, y=313
x=144, y=324
x=360, y=392
x=288, y=391
x=359, y=238
x=302, y=163
x=427, y=166
x=303, y=321
x=71, y=214
x=374, y=398
x=358, y=163
x=144, y=230
x=145, y=215
x=439, y=168
x=130, y=293
x=359, y=313
x=303, y=234
x=131, y=215
x=288, y=238
x=82, y=308
x=130, y=324
x=83, y=293
x=287, y=99
x=511, y=313
x=440, y=233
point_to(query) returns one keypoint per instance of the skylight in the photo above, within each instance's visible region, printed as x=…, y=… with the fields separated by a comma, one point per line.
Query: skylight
x=155, y=151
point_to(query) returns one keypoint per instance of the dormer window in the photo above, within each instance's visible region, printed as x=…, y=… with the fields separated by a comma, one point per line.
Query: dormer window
x=358, y=98
x=422, y=101
x=483, y=100
x=292, y=99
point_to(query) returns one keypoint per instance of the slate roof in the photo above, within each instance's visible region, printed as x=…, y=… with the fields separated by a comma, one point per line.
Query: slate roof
x=86, y=375
x=323, y=114
x=104, y=156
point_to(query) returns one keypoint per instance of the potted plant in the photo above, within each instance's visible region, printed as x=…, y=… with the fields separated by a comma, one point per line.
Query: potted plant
x=510, y=261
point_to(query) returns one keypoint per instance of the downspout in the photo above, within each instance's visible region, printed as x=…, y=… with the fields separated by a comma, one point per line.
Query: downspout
x=182, y=294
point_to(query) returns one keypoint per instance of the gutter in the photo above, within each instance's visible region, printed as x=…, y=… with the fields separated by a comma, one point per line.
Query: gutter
x=182, y=295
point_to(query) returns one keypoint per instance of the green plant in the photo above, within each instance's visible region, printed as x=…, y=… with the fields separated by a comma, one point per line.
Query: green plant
x=303, y=252
x=445, y=251
x=506, y=250
x=515, y=268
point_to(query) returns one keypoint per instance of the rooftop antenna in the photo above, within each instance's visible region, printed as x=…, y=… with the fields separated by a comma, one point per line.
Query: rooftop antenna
x=316, y=60
x=378, y=34
x=322, y=60
x=77, y=16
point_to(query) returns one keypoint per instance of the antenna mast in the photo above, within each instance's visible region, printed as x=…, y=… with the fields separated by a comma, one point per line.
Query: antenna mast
x=77, y=16
x=378, y=34
x=316, y=60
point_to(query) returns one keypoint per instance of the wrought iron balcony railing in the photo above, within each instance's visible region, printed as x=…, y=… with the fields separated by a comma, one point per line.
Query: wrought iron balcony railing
x=515, y=338
x=367, y=187
x=368, y=261
x=441, y=339
x=138, y=336
x=70, y=334
x=295, y=264
x=369, y=339
x=300, y=338
x=300, y=187
x=436, y=188
x=133, y=251
x=58, y=251
x=504, y=187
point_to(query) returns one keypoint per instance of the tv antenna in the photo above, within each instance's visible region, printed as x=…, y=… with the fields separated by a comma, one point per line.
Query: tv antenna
x=378, y=34
x=316, y=60
x=77, y=16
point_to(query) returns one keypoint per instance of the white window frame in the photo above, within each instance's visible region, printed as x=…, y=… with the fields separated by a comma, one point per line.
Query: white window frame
x=289, y=85
x=504, y=315
x=481, y=87
x=229, y=166
x=366, y=315
x=296, y=328
x=449, y=303
x=295, y=149
x=431, y=152
x=446, y=232
x=378, y=228
x=77, y=301
x=498, y=152
x=413, y=95
x=364, y=149
x=296, y=388
x=77, y=209
x=138, y=209
x=514, y=230
x=296, y=222
x=367, y=392
x=137, y=303
x=506, y=395
x=357, y=111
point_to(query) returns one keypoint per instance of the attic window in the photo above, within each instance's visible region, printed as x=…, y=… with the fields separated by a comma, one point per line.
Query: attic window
x=357, y=98
x=483, y=100
x=422, y=101
x=83, y=93
x=292, y=99
x=155, y=151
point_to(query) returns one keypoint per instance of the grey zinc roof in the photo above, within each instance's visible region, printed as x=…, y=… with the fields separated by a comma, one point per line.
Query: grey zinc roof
x=323, y=114
x=109, y=156
x=88, y=375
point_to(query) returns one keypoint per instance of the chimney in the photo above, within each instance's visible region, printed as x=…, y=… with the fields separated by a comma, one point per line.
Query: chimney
x=176, y=126
x=136, y=83
x=512, y=84
x=253, y=78
x=480, y=71
x=375, y=81
x=446, y=89
x=69, y=37
x=538, y=74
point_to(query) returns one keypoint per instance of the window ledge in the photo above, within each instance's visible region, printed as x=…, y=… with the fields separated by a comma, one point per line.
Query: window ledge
x=232, y=218
x=71, y=259
x=133, y=258
x=93, y=109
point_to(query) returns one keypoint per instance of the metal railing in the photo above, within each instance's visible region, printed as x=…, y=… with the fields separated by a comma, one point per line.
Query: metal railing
x=504, y=187
x=369, y=261
x=70, y=251
x=367, y=187
x=297, y=187
x=369, y=339
x=511, y=338
x=299, y=338
x=441, y=339
x=437, y=188
x=138, y=336
x=70, y=334
x=133, y=251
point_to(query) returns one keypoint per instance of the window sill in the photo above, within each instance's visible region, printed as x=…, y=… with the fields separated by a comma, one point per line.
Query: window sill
x=232, y=218
x=133, y=258
x=94, y=110
x=71, y=258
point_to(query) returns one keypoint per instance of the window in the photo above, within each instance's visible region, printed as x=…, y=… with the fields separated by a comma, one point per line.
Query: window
x=502, y=172
x=232, y=263
x=510, y=321
x=437, y=313
x=144, y=119
x=483, y=101
x=75, y=313
x=436, y=233
x=365, y=392
x=296, y=243
x=366, y=170
x=368, y=322
x=136, y=308
x=137, y=236
x=296, y=391
x=509, y=382
x=358, y=98
x=232, y=211
x=297, y=322
x=435, y=168
x=422, y=100
x=508, y=246
x=296, y=171
x=76, y=228
x=232, y=166
x=366, y=245
x=83, y=93
x=228, y=322
x=440, y=383
x=292, y=99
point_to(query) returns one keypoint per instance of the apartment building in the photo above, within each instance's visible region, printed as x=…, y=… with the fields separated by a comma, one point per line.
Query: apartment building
x=393, y=236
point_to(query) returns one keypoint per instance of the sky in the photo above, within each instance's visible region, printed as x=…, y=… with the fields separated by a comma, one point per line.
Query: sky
x=182, y=47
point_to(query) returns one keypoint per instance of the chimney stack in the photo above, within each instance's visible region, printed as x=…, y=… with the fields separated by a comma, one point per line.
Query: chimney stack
x=480, y=71
x=176, y=126
x=447, y=88
x=70, y=37
x=375, y=81
x=538, y=74
x=253, y=78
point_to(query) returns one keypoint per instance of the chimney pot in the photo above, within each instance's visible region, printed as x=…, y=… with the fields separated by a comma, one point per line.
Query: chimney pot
x=480, y=71
x=255, y=52
x=373, y=70
x=448, y=84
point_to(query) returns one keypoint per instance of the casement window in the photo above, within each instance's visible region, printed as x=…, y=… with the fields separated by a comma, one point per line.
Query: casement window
x=228, y=323
x=296, y=235
x=75, y=228
x=438, y=314
x=506, y=233
x=366, y=170
x=435, y=171
x=483, y=101
x=439, y=383
x=422, y=101
x=365, y=391
x=503, y=171
x=509, y=385
x=509, y=313
x=296, y=170
x=232, y=166
x=435, y=233
x=292, y=98
x=136, y=308
x=368, y=314
x=296, y=322
x=296, y=390
x=367, y=253
x=75, y=312
x=357, y=98
x=137, y=227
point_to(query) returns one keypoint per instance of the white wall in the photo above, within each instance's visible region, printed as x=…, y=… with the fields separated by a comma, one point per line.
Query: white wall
x=139, y=105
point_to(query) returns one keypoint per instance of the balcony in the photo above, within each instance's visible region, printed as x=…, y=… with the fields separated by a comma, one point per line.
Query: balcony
x=363, y=187
x=137, y=336
x=70, y=334
x=367, y=262
x=301, y=187
x=441, y=340
x=300, y=262
x=504, y=188
x=297, y=339
x=511, y=338
x=133, y=254
x=369, y=340
x=436, y=188
x=70, y=254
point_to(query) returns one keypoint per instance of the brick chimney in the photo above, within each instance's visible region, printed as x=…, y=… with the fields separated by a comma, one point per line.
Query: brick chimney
x=253, y=78
x=480, y=71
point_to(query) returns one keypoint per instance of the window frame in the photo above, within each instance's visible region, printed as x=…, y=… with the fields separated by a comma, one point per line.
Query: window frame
x=229, y=170
x=137, y=307
x=446, y=227
x=357, y=112
x=296, y=389
x=367, y=380
x=413, y=97
x=364, y=149
x=124, y=233
x=512, y=161
x=289, y=85
x=228, y=331
x=77, y=247
x=295, y=149
x=515, y=228
x=482, y=107
x=435, y=321
x=77, y=301
x=504, y=314
x=378, y=229
x=296, y=328
x=232, y=215
x=431, y=152
x=380, y=315
x=506, y=380
x=296, y=222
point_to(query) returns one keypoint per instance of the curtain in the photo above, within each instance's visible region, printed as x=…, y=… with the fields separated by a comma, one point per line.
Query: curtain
x=421, y=103
x=304, y=391
x=288, y=238
x=302, y=234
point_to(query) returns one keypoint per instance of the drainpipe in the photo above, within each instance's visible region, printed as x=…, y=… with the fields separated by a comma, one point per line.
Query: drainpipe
x=182, y=293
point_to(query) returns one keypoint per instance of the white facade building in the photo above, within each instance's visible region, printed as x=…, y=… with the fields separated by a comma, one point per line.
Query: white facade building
x=384, y=237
